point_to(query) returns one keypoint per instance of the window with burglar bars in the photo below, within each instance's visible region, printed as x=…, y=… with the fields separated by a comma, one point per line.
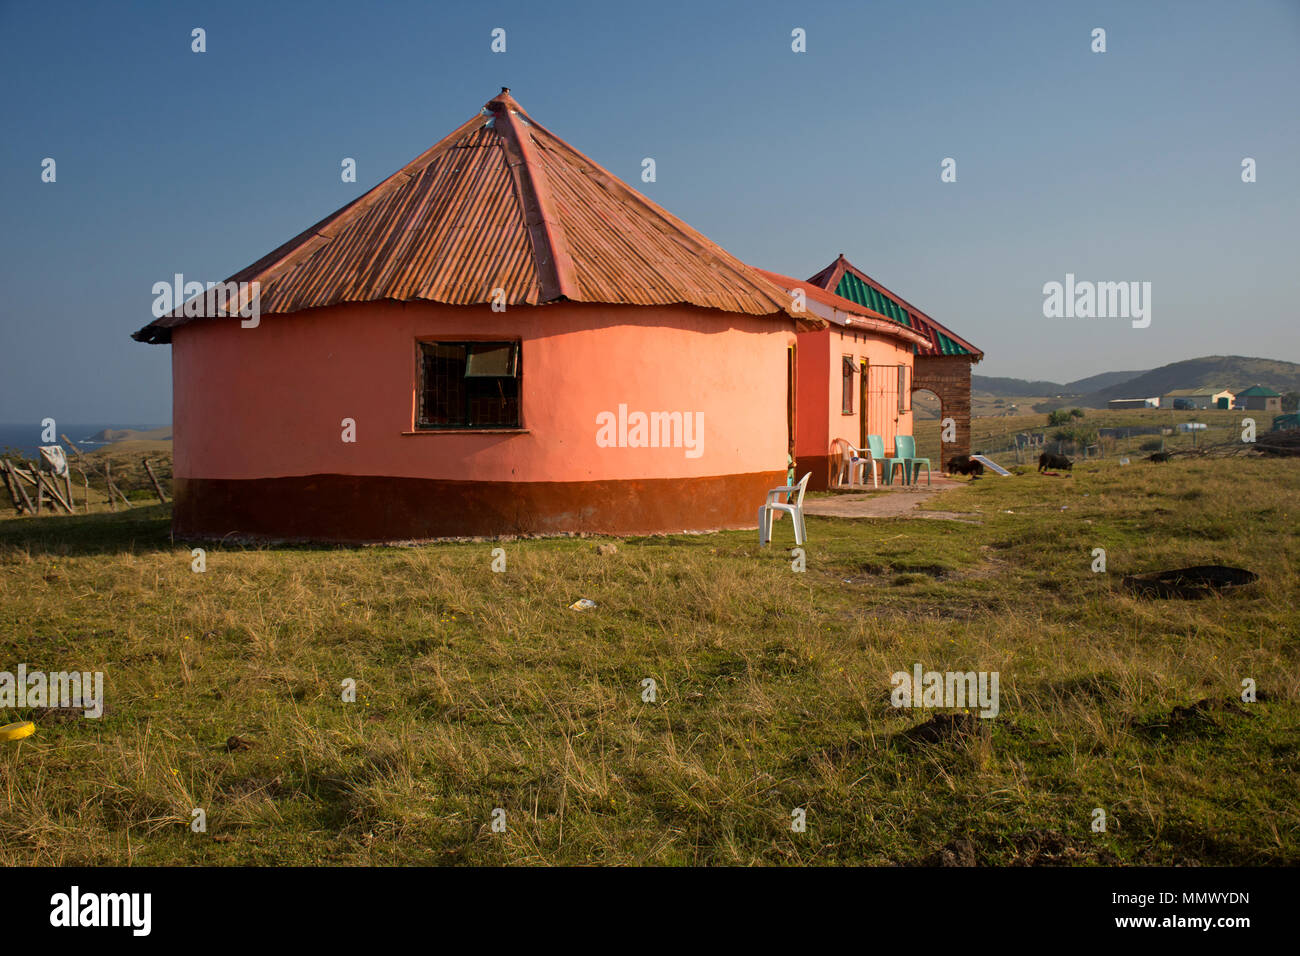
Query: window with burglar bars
x=469, y=385
x=847, y=374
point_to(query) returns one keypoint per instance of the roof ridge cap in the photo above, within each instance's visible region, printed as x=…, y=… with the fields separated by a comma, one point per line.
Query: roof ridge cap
x=556, y=275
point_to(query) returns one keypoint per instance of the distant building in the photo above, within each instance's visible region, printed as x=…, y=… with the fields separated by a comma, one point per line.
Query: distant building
x=1134, y=402
x=1258, y=398
x=1203, y=397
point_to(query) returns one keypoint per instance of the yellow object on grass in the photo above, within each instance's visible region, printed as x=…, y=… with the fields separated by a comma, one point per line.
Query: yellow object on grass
x=24, y=728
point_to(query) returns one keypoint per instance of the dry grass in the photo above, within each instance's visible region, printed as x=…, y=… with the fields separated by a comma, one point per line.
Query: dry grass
x=479, y=690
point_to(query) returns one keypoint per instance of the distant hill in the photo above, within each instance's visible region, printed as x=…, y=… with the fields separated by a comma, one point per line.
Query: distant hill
x=1019, y=387
x=1015, y=387
x=1224, y=371
x=133, y=434
x=1093, y=383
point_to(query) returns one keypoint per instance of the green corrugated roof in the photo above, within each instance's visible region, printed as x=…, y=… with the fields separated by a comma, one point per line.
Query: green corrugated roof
x=1257, y=390
x=854, y=289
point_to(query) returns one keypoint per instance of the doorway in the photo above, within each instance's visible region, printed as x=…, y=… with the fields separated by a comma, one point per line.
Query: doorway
x=789, y=411
x=885, y=398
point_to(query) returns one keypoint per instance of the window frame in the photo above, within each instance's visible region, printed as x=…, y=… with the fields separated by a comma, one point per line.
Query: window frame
x=904, y=389
x=848, y=367
x=422, y=426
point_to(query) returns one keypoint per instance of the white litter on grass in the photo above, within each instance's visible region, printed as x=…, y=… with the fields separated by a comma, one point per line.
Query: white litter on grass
x=582, y=604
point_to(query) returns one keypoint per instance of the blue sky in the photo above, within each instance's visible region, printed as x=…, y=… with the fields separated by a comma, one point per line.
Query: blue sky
x=1117, y=166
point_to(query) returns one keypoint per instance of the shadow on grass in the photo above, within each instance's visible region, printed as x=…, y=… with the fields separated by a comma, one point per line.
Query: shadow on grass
x=141, y=529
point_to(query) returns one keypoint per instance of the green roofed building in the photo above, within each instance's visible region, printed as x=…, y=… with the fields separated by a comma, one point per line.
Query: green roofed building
x=942, y=366
x=1259, y=398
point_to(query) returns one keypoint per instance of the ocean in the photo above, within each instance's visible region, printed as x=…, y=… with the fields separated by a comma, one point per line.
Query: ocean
x=24, y=438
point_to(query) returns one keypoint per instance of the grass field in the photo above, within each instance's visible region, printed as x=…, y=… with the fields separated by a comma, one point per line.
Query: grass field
x=479, y=690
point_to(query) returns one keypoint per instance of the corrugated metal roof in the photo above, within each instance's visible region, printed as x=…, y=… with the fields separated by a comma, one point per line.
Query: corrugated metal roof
x=841, y=311
x=847, y=280
x=1203, y=390
x=502, y=203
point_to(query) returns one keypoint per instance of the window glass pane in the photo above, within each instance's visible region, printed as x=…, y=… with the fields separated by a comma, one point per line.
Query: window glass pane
x=469, y=385
x=493, y=401
x=493, y=359
x=444, y=384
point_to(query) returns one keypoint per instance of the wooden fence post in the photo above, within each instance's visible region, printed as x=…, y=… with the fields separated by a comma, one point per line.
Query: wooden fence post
x=108, y=484
x=16, y=490
x=154, y=478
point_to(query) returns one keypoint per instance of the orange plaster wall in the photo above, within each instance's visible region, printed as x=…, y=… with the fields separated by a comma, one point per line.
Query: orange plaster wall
x=268, y=401
x=821, y=417
x=812, y=436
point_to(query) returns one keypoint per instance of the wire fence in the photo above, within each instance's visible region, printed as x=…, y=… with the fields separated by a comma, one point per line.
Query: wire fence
x=1111, y=434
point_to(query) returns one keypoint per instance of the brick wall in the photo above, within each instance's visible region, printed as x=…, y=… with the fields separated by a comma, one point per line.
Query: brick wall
x=948, y=376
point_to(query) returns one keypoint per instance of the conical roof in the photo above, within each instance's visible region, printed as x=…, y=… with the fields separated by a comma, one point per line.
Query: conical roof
x=502, y=204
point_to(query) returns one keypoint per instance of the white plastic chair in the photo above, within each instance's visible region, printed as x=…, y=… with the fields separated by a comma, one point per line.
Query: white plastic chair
x=851, y=459
x=794, y=509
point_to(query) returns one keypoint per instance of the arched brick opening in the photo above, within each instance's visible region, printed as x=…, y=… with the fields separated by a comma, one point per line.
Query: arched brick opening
x=948, y=376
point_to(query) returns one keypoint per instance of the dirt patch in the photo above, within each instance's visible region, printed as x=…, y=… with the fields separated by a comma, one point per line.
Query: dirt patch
x=959, y=852
x=60, y=715
x=1030, y=848
x=1050, y=848
x=245, y=787
x=872, y=572
x=1205, y=718
x=962, y=727
x=1190, y=583
x=897, y=501
x=1085, y=689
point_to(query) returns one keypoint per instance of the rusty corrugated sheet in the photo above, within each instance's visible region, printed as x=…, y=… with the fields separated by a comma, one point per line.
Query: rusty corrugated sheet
x=502, y=203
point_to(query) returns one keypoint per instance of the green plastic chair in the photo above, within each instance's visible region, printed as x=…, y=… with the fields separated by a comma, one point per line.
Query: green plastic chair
x=905, y=447
x=877, y=446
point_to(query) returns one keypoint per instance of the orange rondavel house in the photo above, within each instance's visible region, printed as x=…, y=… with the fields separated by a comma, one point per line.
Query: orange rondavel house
x=504, y=338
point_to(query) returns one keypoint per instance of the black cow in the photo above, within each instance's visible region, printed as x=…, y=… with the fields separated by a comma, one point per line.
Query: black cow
x=1055, y=462
x=965, y=465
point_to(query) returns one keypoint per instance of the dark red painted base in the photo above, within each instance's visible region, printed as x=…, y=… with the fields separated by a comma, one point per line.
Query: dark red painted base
x=366, y=508
x=821, y=467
